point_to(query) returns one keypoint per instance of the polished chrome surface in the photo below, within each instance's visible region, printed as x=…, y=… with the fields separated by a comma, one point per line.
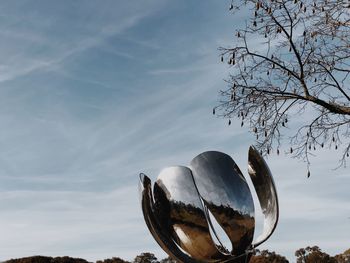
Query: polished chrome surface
x=266, y=191
x=184, y=213
x=160, y=232
x=225, y=192
x=178, y=214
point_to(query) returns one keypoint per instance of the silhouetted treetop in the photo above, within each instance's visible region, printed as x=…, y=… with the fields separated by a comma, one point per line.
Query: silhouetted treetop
x=266, y=256
x=313, y=255
x=43, y=259
x=146, y=258
x=112, y=260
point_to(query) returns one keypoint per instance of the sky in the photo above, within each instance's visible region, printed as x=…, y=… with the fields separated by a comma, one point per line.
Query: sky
x=94, y=92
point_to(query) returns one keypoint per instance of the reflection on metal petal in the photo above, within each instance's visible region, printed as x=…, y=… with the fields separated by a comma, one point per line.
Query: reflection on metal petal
x=225, y=192
x=265, y=188
x=184, y=214
x=159, y=232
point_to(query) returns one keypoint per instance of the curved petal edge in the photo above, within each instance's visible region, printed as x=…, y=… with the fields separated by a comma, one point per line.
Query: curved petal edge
x=265, y=188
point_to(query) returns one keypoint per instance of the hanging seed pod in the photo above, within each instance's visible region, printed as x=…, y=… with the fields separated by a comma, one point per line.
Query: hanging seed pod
x=238, y=34
x=233, y=62
x=322, y=145
x=314, y=148
x=278, y=152
x=347, y=154
x=307, y=134
x=265, y=133
x=308, y=174
x=231, y=7
x=315, y=80
x=242, y=123
x=257, y=6
x=213, y=111
x=222, y=59
x=333, y=139
x=295, y=1
x=301, y=5
x=257, y=136
x=322, y=9
x=310, y=147
x=229, y=122
x=255, y=13
x=273, y=65
x=283, y=124
x=268, y=151
x=336, y=147
x=255, y=130
x=291, y=150
x=263, y=123
x=305, y=9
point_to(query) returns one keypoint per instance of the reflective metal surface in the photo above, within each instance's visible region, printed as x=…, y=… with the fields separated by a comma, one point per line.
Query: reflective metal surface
x=160, y=233
x=184, y=213
x=225, y=192
x=178, y=214
x=265, y=189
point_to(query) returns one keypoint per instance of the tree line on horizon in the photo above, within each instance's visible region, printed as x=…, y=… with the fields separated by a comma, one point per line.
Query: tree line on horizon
x=303, y=255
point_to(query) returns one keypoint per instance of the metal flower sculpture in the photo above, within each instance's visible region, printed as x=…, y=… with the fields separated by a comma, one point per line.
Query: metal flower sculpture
x=177, y=212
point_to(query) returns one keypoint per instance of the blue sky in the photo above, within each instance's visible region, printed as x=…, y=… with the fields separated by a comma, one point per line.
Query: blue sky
x=94, y=92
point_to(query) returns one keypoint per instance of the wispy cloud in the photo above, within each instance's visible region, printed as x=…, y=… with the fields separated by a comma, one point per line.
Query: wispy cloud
x=101, y=92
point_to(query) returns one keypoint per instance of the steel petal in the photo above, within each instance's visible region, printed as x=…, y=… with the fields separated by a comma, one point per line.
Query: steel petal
x=158, y=231
x=181, y=210
x=266, y=191
x=225, y=192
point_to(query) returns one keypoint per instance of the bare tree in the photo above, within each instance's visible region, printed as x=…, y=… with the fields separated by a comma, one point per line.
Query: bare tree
x=290, y=60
